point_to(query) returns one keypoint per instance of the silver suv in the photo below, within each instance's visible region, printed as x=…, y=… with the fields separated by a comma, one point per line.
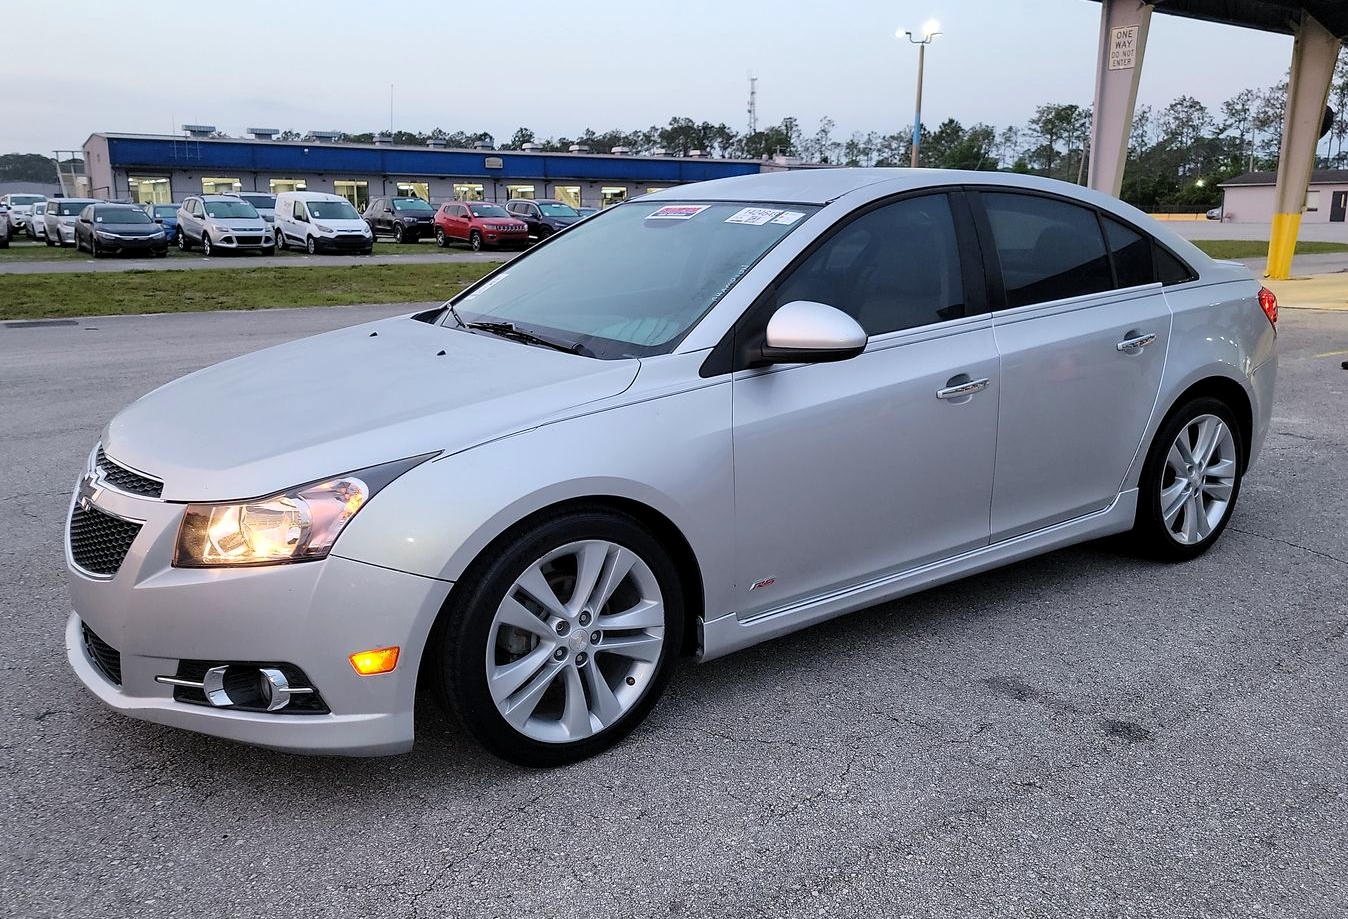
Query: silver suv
x=220, y=223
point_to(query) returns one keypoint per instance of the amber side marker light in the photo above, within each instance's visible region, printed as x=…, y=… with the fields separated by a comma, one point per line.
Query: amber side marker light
x=368, y=663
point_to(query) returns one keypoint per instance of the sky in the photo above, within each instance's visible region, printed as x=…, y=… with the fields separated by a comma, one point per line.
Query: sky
x=560, y=66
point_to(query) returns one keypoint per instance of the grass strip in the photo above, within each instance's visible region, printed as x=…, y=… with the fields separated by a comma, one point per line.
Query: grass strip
x=1253, y=248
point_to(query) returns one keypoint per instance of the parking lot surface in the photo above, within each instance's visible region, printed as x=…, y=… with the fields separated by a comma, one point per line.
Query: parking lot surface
x=1083, y=734
x=422, y=253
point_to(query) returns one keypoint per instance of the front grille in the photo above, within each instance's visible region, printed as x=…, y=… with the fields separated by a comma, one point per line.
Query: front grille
x=249, y=240
x=106, y=658
x=98, y=541
x=307, y=704
x=123, y=479
x=354, y=241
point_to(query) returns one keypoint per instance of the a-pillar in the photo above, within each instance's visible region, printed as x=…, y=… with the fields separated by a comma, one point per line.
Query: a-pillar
x=1123, y=38
x=1314, y=51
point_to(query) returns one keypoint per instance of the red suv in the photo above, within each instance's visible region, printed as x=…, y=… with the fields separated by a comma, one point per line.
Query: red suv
x=478, y=224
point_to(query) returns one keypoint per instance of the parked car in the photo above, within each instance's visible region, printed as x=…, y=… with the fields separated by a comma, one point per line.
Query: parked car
x=319, y=222
x=263, y=202
x=695, y=422
x=5, y=230
x=587, y=211
x=20, y=207
x=480, y=225
x=404, y=219
x=59, y=221
x=37, y=220
x=1214, y=214
x=222, y=223
x=543, y=216
x=119, y=229
x=166, y=215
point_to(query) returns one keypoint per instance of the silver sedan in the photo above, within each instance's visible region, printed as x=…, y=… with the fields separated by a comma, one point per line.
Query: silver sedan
x=693, y=422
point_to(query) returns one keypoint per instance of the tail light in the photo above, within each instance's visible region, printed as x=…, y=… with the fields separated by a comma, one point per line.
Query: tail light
x=1269, y=304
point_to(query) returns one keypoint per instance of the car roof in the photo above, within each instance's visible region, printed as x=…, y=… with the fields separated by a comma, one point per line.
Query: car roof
x=216, y=197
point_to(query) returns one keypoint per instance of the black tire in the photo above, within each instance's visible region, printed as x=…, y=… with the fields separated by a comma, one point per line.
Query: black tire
x=269, y=250
x=206, y=248
x=374, y=233
x=48, y=240
x=1150, y=535
x=398, y=233
x=456, y=659
x=281, y=241
x=161, y=253
x=475, y=241
x=310, y=245
x=441, y=240
x=184, y=244
x=369, y=250
x=93, y=246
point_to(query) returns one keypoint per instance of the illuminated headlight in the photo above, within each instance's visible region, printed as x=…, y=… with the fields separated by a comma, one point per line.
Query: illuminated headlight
x=294, y=526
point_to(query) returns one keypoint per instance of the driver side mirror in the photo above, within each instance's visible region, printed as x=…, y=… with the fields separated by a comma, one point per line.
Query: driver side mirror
x=806, y=332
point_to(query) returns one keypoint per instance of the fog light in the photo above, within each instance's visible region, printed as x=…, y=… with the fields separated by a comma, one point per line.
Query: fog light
x=381, y=660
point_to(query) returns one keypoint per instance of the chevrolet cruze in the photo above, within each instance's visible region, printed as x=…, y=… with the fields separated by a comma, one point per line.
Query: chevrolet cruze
x=696, y=421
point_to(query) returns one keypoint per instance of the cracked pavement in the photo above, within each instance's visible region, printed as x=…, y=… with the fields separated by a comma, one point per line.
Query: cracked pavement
x=1082, y=734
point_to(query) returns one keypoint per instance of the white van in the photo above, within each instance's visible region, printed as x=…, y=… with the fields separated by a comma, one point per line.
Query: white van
x=319, y=222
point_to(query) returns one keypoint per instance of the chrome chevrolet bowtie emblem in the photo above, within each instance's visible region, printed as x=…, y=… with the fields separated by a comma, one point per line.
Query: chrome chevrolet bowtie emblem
x=86, y=494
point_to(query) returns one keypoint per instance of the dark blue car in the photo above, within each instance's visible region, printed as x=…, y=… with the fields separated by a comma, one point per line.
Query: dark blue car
x=167, y=215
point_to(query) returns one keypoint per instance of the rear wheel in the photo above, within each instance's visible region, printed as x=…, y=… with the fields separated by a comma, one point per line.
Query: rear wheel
x=557, y=646
x=1190, y=482
x=475, y=241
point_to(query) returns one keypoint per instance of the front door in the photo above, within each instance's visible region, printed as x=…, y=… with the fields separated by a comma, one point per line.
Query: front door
x=1338, y=206
x=1083, y=336
x=852, y=470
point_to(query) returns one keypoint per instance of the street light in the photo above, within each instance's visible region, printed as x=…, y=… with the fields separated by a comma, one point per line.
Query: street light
x=930, y=29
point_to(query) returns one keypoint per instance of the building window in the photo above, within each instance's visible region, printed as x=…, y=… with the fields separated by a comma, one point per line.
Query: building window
x=280, y=185
x=357, y=192
x=612, y=194
x=567, y=194
x=420, y=190
x=214, y=185
x=1312, y=200
x=150, y=189
x=467, y=192
x=520, y=191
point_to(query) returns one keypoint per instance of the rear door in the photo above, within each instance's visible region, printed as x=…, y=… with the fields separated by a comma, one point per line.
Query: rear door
x=1082, y=328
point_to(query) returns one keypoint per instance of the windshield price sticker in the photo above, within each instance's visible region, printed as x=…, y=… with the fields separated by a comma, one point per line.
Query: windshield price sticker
x=787, y=217
x=678, y=212
x=488, y=285
x=754, y=216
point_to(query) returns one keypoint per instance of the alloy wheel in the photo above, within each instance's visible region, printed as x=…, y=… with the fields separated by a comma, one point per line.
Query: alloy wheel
x=206, y=244
x=397, y=232
x=1198, y=480
x=576, y=641
x=440, y=237
x=475, y=241
x=310, y=246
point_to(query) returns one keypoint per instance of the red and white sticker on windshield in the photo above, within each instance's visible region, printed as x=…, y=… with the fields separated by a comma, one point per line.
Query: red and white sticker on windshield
x=678, y=212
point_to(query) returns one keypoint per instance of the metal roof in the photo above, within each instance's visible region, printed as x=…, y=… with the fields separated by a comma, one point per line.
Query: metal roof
x=1264, y=15
x=1318, y=177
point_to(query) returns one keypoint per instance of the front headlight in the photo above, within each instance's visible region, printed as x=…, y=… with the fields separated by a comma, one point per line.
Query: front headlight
x=322, y=229
x=295, y=526
x=103, y=234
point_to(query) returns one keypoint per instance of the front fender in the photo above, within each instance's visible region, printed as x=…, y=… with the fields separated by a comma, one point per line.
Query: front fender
x=671, y=453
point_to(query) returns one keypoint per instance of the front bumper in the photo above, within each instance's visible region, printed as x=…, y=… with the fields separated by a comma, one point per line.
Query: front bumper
x=67, y=233
x=244, y=242
x=133, y=246
x=345, y=242
x=310, y=614
x=512, y=238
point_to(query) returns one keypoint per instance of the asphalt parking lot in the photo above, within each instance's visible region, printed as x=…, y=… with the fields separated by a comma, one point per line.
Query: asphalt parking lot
x=1082, y=734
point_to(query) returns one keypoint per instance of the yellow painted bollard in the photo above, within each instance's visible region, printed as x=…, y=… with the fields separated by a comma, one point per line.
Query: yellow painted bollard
x=1281, y=244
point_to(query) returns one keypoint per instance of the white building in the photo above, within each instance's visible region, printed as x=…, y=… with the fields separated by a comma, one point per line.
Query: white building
x=1250, y=198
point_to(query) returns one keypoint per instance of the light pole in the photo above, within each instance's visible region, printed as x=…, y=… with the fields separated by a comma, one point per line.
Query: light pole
x=930, y=29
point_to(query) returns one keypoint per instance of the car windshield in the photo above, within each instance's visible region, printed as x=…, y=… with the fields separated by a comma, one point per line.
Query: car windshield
x=558, y=210
x=632, y=281
x=488, y=210
x=121, y=215
x=40, y=207
x=70, y=208
x=411, y=204
x=225, y=210
x=166, y=210
x=25, y=199
x=333, y=210
x=264, y=201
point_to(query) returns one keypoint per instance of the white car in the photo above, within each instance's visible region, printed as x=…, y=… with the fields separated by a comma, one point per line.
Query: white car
x=4, y=227
x=59, y=221
x=37, y=221
x=319, y=222
x=20, y=207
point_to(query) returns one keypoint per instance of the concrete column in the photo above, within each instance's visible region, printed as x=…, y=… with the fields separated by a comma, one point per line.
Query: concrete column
x=1314, y=51
x=1118, y=67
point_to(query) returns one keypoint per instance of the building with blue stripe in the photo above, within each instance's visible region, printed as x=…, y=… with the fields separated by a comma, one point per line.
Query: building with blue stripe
x=163, y=168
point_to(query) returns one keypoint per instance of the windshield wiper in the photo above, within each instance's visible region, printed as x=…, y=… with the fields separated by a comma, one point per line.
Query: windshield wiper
x=455, y=313
x=510, y=330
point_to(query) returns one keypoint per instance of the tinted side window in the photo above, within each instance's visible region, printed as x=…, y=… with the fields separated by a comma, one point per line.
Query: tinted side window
x=1048, y=249
x=896, y=267
x=1169, y=269
x=1131, y=252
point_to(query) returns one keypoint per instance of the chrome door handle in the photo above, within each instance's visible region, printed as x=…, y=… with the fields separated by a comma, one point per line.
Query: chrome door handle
x=963, y=389
x=1133, y=344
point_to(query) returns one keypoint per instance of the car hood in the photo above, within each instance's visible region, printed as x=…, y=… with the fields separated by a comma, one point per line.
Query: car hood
x=130, y=229
x=345, y=400
x=247, y=224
